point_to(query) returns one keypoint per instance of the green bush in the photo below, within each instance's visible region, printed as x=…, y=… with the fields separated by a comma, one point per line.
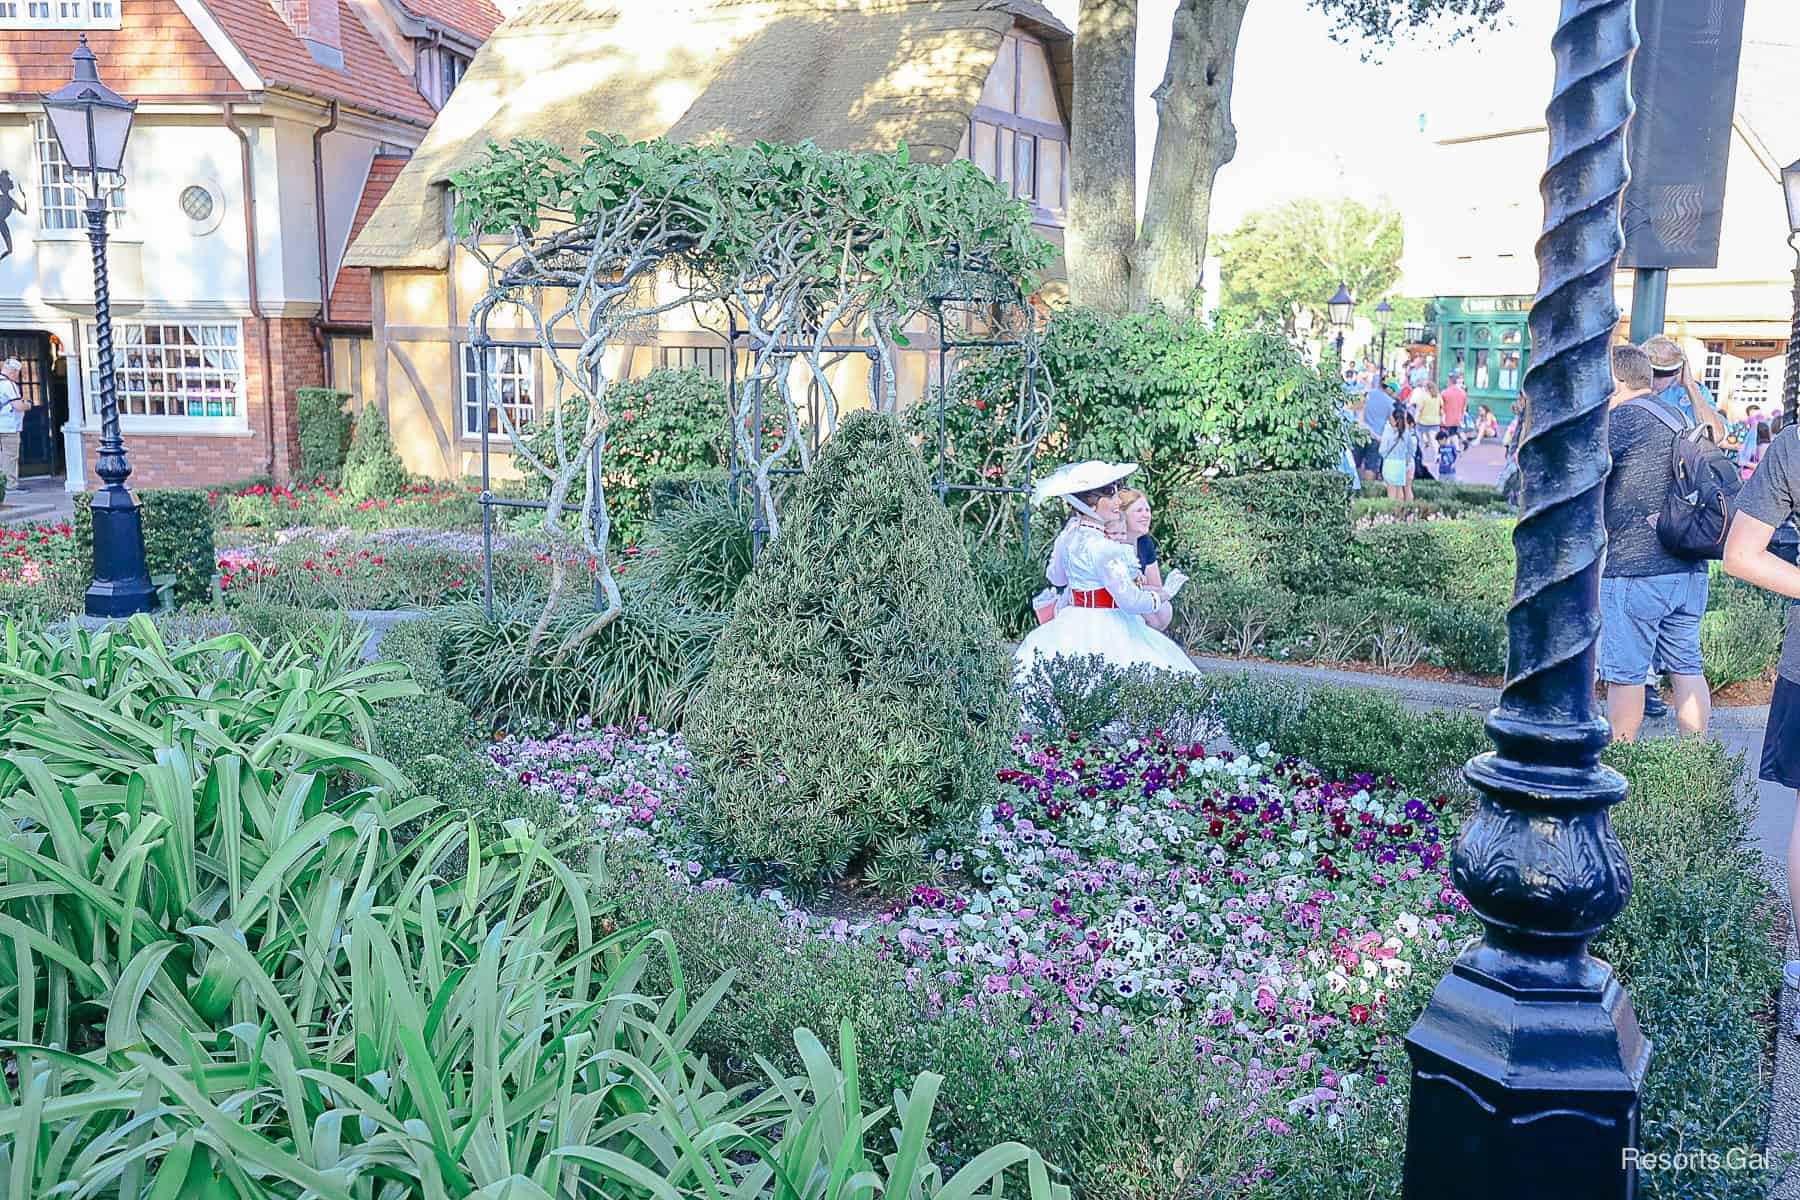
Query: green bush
x=648, y=661
x=1346, y=731
x=1085, y=694
x=417, y=645
x=1240, y=615
x=411, y=728
x=1698, y=948
x=282, y=624
x=1008, y=579
x=372, y=468
x=1168, y=391
x=857, y=706
x=1469, y=562
x=324, y=433
x=697, y=553
x=665, y=424
x=687, y=487
x=178, y=538
x=1288, y=528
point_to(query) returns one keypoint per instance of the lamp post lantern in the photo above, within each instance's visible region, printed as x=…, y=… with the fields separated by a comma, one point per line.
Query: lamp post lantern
x=1340, y=306
x=1384, y=316
x=92, y=123
x=1528, y=1062
x=1790, y=388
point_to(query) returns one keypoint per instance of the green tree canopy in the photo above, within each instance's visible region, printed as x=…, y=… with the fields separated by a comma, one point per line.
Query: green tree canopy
x=1289, y=260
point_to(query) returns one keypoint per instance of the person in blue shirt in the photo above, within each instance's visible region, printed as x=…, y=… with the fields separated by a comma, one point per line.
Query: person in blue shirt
x=1673, y=383
x=1378, y=406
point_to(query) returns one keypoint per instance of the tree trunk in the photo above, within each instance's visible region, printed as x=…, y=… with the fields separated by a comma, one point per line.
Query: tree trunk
x=1103, y=156
x=1194, y=138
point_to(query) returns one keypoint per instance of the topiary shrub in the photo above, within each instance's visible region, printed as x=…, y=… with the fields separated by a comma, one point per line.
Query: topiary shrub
x=178, y=538
x=372, y=469
x=857, y=706
x=324, y=433
x=1290, y=528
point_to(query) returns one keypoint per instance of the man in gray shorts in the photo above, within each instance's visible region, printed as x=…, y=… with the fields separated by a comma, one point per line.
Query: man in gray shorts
x=1651, y=602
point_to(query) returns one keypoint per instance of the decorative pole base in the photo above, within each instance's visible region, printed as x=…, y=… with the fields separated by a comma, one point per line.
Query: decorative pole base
x=121, y=580
x=1525, y=1093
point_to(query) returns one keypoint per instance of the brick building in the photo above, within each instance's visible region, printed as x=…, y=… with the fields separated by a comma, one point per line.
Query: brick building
x=266, y=132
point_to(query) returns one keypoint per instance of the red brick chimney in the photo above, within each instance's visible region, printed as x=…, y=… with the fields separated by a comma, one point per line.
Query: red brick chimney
x=315, y=22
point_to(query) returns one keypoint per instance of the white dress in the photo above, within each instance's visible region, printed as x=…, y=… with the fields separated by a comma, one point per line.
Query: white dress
x=1086, y=560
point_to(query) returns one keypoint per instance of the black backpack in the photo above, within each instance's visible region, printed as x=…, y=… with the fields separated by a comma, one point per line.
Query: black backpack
x=1703, y=490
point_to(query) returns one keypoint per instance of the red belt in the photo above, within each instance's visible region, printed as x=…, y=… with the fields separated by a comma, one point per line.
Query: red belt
x=1098, y=598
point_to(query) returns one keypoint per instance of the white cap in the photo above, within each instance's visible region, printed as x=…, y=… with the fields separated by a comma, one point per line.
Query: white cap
x=12, y=364
x=1080, y=477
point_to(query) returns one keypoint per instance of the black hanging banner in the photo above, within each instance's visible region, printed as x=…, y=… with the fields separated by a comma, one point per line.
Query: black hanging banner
x=1684, y=81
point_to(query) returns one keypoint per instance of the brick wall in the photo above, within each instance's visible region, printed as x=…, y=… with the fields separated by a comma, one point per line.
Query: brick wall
x=178, y=460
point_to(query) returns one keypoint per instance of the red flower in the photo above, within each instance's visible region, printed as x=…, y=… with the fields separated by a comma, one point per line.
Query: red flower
x=1359, y=1013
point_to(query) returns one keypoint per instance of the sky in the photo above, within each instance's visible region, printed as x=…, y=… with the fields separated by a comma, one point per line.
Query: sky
x=1315, y=119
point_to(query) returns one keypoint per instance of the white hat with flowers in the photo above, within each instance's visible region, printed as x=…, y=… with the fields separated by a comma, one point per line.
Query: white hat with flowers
x=1080, y=477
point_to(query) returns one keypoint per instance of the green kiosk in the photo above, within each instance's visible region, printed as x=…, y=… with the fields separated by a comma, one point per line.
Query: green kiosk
x=1487, y=339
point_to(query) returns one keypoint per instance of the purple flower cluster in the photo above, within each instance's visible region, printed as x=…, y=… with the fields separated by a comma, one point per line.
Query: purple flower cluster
x=623, y=779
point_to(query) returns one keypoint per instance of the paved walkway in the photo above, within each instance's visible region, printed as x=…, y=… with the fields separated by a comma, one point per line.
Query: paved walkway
x=41, y=498
x=1740, y=730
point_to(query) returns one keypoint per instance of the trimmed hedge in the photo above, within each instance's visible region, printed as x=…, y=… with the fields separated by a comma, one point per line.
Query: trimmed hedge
x=324, y=433
x=178, y=537
x=1284, y=527
x=1470, y=561
x=1346, y=732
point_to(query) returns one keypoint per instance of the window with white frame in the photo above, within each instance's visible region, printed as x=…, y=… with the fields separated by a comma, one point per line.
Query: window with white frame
x=181, y=369
x=62, y=199
x=59, y=14
x=511, y=379
x=1712, y=370
x=710, y=360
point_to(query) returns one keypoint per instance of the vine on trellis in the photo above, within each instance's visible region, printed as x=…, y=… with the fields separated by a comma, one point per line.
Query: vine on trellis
x=803, y=246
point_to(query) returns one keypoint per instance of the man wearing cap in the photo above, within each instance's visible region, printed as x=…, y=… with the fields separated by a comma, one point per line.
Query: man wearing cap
x=1674, y=384
x=1651, y=601
x=12, y=419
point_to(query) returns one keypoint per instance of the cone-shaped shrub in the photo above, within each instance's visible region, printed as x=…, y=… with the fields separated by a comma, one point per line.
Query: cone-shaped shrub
x=857, y=706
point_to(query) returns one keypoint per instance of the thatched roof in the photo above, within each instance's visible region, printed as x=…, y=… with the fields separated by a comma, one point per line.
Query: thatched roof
x=849, y=74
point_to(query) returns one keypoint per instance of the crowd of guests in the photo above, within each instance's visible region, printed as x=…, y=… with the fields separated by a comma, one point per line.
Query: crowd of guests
x=1414, y=428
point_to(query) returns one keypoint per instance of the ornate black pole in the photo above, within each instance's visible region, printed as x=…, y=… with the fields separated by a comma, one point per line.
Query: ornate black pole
x=1528, y=1061
x=121, y=579
x=1790, y=384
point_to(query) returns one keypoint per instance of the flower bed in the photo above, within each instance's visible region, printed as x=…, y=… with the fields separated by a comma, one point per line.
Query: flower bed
x=42, y=569
x=268, y=506
x=1118, y=888
x=340, y=573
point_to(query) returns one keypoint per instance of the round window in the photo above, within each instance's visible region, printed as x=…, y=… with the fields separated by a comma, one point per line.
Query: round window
x=197, y=202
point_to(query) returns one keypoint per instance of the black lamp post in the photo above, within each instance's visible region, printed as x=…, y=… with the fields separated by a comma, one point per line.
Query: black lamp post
x=1790, y=388
x=92, y=123
x=1384, y=316
x=1340, y=307
x=1528, y=1062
